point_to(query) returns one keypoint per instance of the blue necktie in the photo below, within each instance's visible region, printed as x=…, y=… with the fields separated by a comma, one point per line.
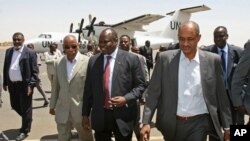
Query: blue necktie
x=223, y=63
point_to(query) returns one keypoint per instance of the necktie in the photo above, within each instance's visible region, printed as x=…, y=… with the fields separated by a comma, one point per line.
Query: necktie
x=106, y=83
x=223, y=61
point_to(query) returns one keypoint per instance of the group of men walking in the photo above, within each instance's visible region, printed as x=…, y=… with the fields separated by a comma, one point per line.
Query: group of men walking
x=196, y=93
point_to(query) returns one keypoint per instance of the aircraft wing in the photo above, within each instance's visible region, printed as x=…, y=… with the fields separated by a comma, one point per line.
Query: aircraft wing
x=192, y=9
x=137, y=23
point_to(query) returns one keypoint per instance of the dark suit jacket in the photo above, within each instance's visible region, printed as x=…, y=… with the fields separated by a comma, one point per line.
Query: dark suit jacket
x=148, y=54
x=27, y=63
x=240, y=78
x=173, y=46
x=162, y=92
x=128, y=81
x=232, y=60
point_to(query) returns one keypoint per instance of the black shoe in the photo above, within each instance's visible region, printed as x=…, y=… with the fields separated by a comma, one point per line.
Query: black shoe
x=21, y=137
x=3, y=137
x=46, y=103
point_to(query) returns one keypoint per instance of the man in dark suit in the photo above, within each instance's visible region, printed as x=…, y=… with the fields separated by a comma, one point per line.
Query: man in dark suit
x=147, y=52
x=19, y=78
x=173, y=46
x=230, y=56
x=113, y=84
x=187, y=89
x=240, y=83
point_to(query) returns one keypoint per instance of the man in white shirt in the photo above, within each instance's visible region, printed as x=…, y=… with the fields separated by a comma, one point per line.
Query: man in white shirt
x=19, y=78
x=188, y=92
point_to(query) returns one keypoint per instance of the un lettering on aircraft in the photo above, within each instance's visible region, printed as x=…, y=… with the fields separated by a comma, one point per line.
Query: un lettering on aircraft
x=174, y=25
x=46, y=43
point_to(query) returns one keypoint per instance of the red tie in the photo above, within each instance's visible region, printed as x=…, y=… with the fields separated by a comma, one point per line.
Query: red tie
x=106, y=84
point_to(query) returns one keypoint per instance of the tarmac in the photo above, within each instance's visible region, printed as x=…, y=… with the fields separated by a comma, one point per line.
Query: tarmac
x=43, y=125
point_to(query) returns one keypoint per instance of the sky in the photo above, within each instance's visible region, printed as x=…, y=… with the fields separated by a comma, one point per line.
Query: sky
x=33, y=17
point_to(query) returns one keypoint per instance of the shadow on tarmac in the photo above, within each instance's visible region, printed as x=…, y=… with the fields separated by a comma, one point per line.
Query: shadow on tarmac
x=38, y=107
x=53, y=137
x=11, y=133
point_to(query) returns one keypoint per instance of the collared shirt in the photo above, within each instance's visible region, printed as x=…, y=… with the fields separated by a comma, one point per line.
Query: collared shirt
x=225, y=49
x=14, y=71
x=190, y=96
x=111, y=64
x=71, y=66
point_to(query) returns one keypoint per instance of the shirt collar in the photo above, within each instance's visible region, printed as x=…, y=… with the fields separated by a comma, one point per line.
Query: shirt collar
x=225, y=49
x=75, y=59
x=113, y=54
x=20, y=50
x=196, y=57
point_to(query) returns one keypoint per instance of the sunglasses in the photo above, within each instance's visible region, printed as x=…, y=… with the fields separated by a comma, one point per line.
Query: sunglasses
x=68, y=47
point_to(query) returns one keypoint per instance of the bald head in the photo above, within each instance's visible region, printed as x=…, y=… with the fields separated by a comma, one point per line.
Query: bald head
x=108, y=41
x=220, y=36
x=189, y=36
x=70, y=46
x=69, y=37
x=191, y=25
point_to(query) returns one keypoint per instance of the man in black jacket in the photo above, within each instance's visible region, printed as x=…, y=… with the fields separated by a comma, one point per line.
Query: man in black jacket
x=147, y=52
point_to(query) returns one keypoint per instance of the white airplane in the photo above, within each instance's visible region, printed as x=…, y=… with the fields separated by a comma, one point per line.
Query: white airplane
x=156, y=38
x=44, y=40
x=129, y=27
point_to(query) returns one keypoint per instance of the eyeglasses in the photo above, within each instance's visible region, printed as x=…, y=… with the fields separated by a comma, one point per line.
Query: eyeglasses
x=73, y=47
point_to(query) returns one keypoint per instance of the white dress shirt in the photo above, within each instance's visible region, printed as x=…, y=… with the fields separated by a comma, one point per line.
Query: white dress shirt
x=71, y=66
x=190, y=96
x=14, y=71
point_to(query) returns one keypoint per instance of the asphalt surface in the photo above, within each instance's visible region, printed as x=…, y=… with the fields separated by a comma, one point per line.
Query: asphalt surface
x=43, y=125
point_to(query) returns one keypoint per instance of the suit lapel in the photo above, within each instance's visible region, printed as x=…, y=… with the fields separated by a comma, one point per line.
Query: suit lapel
x=174, y=65
x=10, y=57
x=230, y=60
x=78, y=64
x=23, y=54
x=214, y=49
x=203, y=66
x=64, y=68
x=117, y=64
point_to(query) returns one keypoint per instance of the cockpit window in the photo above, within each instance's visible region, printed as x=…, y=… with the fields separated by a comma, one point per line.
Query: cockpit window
x=46, y=36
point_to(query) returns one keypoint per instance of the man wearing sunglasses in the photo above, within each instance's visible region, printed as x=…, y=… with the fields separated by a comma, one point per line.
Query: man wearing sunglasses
x=67, y=93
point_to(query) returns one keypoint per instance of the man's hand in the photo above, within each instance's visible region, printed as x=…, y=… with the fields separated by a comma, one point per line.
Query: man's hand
x=86, y=123
x=242, y=109
x=30, y=91
x=118, y=101
x=227, y=135
x=52, y=111
x=5, y=87
x=145, y=132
